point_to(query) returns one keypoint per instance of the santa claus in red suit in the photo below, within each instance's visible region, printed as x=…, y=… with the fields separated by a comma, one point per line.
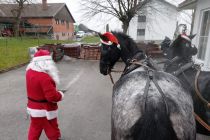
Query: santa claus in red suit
x=41, y=80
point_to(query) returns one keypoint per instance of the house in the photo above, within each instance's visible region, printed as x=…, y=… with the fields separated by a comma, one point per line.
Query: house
x=51, y=19
x=156, y=21
x=200, y=27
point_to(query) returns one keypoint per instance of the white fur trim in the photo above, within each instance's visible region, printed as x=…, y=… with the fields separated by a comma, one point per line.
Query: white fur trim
x=41, y=58
x=52, y=114
x=118, y=46
x=107, y=43
x=42, y=113
x=110, y=43
x=186, y=37
x=46, y=66
x=62, y=95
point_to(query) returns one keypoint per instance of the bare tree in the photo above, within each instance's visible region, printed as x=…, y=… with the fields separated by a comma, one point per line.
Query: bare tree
x=17, y=13
x=124, y=10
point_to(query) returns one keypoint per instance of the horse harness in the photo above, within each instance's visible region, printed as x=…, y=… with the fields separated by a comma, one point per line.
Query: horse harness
x=151, y=70
x=182, y=70
x=151, y=78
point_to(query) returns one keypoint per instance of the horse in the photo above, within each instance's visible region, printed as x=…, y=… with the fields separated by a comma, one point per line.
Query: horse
x=146, y=104
x=197, y=82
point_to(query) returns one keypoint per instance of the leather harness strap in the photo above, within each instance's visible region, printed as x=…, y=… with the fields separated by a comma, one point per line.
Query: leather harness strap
x=183, y=68
x=197, y=91
x=205, y=125
x=151, y=78
x=110, y=75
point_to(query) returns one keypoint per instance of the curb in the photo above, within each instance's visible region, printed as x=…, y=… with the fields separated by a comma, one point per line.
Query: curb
x=12, y=68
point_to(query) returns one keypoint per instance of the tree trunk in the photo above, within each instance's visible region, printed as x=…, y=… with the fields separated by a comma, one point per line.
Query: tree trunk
x=125, y=26
x=18, y=12
x=17, y=27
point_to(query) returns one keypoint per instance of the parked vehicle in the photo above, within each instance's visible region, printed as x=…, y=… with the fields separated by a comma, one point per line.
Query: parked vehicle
x=80, y=34
x=7, y=32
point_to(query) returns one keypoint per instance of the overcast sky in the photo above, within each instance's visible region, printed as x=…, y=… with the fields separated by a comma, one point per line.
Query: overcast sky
x=95, y=23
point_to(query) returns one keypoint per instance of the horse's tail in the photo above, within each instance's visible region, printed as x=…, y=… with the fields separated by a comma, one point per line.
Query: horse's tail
x=154, y=125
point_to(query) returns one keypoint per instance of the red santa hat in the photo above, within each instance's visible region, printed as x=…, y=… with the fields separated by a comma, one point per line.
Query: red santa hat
x=111, y=39
x=41, y=55
x=185, y=37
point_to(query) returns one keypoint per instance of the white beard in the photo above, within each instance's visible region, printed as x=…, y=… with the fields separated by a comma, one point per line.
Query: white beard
x=46, y=66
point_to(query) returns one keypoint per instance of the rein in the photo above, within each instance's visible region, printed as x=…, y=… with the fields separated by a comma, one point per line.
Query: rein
x=198, y=91
x=201, y=121
x=111, y=78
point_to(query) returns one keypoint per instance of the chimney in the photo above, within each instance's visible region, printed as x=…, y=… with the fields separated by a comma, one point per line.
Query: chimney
x=44, y=4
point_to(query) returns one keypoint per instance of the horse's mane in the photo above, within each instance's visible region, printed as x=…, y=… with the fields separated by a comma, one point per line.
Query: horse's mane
x=126, y=41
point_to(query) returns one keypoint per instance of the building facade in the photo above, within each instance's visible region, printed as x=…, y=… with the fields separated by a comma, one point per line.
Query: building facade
x=201, y=27
x=156, y=21
x=53, y=20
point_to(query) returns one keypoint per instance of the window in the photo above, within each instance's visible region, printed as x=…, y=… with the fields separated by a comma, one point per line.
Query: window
x=204, y=34
x=140, y=32
x=63, y=34
x=62, y=22
x=67, y=25
x=142, y=18
x=57, y=21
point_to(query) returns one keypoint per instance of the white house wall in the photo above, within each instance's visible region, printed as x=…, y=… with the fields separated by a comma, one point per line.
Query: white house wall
x=132, y=30
x=160, y=22
x=202, y=5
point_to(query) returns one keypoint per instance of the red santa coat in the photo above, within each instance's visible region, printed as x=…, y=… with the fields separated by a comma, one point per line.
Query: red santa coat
x=42, y=94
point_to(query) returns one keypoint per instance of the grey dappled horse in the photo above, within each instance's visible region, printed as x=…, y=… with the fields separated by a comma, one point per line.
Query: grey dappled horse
x=146, y=104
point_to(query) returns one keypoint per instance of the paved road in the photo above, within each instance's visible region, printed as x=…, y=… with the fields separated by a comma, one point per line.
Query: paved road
x=84, y=113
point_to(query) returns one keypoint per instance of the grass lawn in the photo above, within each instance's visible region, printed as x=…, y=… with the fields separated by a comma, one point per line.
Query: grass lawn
x=91, y=39
x=14, y=51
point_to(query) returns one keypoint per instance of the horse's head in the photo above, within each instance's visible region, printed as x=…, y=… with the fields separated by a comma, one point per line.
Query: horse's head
x=182, y=47
x=110, y=52
x=165, y=43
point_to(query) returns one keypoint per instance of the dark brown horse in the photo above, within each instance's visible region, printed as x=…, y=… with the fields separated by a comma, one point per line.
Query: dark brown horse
x=180, y=64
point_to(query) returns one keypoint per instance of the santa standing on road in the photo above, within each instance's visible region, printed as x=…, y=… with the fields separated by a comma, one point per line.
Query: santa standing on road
x=41, y=80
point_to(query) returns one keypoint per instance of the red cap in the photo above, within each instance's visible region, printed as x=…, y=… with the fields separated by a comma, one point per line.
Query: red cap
x=185, y=37
x=41, y=55
x=111, y=37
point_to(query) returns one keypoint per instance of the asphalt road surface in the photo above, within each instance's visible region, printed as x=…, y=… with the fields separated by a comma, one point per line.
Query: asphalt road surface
x=84, y=114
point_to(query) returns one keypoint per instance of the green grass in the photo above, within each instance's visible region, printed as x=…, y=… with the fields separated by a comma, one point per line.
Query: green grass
x=14, y=51
x=91, y=39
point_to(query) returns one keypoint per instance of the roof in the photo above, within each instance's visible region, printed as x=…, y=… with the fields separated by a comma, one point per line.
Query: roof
x=187, y=4
x=168, y=3
x=33, y=10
